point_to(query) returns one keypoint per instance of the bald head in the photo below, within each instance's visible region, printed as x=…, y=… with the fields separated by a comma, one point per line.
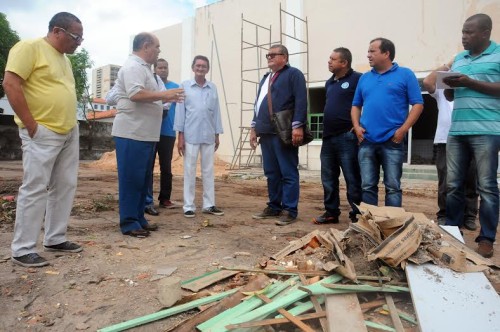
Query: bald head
x=476, y=33
x=483, y=21
x=141, y=39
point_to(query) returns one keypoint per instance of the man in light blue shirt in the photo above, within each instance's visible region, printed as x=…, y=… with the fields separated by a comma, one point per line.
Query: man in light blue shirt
x=198, y=122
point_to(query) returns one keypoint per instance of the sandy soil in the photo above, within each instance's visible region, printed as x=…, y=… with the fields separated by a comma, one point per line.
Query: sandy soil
x=115, y=278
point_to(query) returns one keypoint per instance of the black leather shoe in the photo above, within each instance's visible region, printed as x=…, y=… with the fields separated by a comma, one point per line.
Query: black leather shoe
x=151, y=227
x=139, y=233
x=151, y=210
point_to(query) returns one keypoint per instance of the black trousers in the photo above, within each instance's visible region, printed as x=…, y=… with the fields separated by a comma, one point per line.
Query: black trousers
x=165, y=149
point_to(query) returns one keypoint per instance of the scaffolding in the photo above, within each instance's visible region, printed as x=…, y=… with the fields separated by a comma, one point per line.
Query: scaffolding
x=255, y=43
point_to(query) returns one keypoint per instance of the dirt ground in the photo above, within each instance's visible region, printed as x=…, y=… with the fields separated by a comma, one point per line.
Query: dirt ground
x=115, y=278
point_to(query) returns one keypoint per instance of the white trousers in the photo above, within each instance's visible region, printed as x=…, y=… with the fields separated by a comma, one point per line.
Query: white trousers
x=50, y=165
x=206, y=152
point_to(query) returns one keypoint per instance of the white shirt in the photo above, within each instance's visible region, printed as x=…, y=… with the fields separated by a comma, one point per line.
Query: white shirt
x=445, y=108
x=262, y=94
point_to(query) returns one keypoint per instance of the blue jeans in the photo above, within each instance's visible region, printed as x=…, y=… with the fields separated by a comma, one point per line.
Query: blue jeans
x=471, y=195
x=340, y=152
x=390, y=156
x=484, y=150
x=134, y=160
x=281, y=170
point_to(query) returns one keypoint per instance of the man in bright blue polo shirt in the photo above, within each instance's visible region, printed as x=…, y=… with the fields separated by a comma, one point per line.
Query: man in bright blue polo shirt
x=384, y=94
x=475, y=127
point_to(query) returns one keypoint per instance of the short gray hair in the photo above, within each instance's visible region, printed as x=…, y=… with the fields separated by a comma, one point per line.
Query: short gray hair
x=141, y=39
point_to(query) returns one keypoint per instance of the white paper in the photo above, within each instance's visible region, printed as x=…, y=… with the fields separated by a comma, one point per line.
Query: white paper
x=439, y=79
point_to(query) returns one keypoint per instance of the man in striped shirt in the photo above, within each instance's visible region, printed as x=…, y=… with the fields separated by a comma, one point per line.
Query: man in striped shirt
x=475, y=128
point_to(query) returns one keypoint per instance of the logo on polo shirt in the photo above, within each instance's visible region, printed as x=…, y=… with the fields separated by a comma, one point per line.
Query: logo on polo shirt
x=345, y=85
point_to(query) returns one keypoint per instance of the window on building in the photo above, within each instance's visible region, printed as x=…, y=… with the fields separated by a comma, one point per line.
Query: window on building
x=317, y=98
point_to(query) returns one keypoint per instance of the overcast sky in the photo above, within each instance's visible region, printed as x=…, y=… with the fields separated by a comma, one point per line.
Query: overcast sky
x=107, y=24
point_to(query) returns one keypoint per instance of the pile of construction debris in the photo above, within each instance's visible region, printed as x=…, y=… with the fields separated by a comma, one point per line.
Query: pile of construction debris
x=318, y=285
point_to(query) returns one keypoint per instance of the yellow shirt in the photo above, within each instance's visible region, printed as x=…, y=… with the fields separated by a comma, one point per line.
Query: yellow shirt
x=49, y=85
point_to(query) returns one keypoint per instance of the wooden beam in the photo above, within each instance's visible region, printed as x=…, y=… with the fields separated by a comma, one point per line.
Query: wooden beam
x=274, y=321
x=165, y=313
x=218, y=322
x=282, y=272
x=285, y=300
x=366, y=288
x=316, y=304
x=205, y=281
x=297, y=322
x=344, y=313
x=394, y=314
x=255, y=284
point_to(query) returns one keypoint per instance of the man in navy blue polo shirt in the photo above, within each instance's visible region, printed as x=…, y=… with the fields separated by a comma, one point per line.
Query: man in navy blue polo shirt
x=340, y=144
x=384, y=94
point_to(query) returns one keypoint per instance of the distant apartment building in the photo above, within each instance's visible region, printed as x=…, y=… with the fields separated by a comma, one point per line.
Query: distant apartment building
x=103, y=79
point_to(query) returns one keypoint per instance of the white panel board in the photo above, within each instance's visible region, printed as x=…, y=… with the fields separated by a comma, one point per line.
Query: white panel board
x=445, y=300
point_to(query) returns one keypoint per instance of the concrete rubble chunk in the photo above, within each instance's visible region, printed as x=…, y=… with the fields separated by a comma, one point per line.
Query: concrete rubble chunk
x=169, y=291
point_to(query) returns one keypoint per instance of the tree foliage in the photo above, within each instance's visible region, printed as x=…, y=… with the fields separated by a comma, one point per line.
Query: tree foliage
x=80, y=62
x=8, y=38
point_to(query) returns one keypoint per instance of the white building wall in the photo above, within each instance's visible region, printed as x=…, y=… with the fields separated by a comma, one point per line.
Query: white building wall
x=426, y=33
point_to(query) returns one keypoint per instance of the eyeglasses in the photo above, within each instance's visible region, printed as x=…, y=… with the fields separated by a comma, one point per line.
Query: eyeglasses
x=75, y=37
x=272, y=55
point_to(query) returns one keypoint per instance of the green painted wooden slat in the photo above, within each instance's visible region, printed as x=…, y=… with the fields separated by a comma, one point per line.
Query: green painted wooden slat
x=304, y=307
x=199, y=277
x=366, y=288
x=285, y=301
x=381, y=327
x=166, y=313
x=403, y=315
x=217, y=323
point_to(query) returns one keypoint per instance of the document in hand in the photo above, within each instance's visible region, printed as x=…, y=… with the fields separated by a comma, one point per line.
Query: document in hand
x=439, y=79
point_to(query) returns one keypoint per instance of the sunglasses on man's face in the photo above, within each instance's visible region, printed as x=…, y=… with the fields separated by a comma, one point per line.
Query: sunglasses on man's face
x=76, y=38
x=272, y=55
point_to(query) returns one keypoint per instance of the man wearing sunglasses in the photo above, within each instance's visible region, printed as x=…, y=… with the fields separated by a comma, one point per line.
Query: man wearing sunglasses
x=40, y=87
x=283, y=88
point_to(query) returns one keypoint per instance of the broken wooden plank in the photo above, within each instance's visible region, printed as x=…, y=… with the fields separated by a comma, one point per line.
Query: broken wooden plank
x=295, y=245
x=407, y=317
x=256, y=284
x=199, y=277
x=273, y=321
x=286, y=300
x=445, y=300
x=281, y=272
x=393, y=311
x=316, y=304
x=297, y=322
x=208, y=280
x=372, y=304
x=379, y=326
x=165, y=313
x=303, y=307
x=344, y=313
x=217, y=323
x=367, y=288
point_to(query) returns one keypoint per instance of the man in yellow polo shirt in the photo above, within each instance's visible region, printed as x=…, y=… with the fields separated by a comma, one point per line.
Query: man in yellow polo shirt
x=40, y=87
